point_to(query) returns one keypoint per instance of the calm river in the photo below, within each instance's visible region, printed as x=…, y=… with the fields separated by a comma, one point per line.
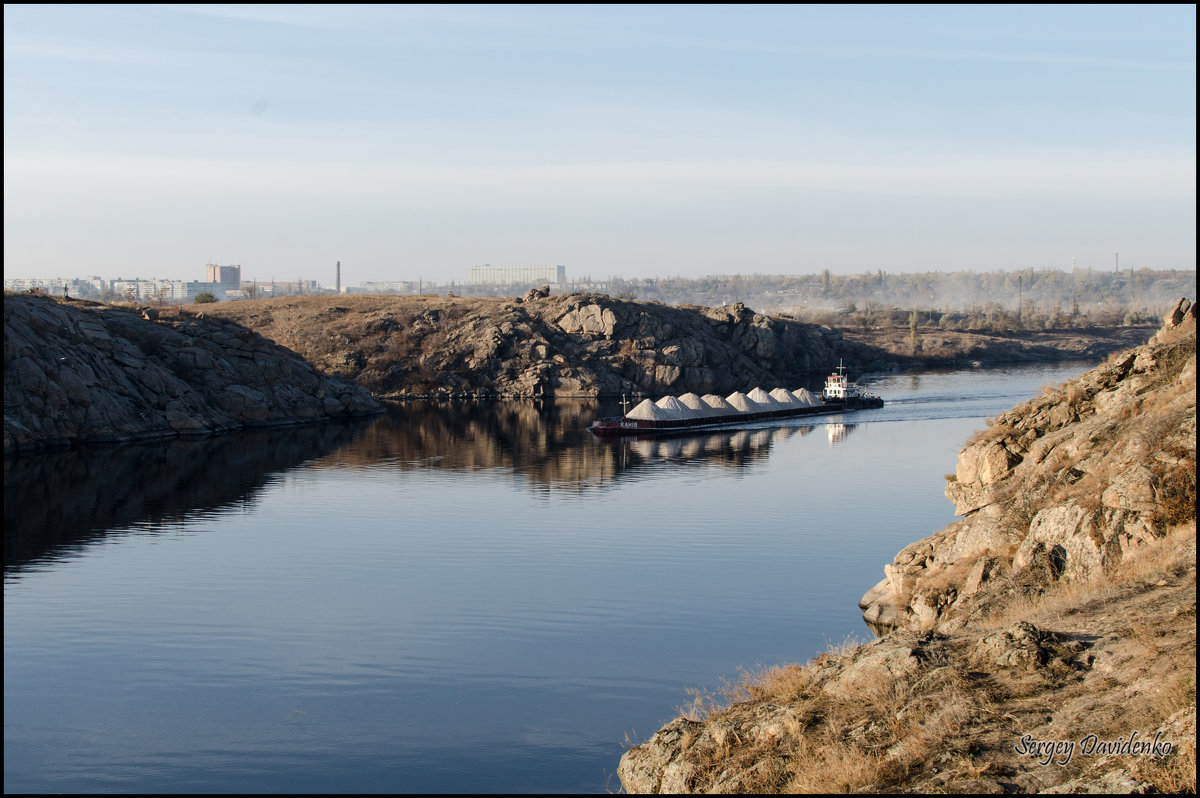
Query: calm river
x=448, y=598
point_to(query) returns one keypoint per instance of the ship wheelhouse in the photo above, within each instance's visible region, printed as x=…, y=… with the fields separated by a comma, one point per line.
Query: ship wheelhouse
x=838, y=387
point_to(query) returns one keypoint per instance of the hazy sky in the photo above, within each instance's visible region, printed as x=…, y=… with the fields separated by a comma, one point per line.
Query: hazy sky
x=414, y=141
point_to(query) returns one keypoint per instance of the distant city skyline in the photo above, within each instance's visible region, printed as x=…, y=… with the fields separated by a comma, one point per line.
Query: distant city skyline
x=414, y=142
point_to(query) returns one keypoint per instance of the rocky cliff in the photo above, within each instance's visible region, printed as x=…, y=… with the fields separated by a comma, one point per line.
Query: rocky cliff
x=1059, y=487
x=1045, y=642
x=573, y=345
x=83, y=372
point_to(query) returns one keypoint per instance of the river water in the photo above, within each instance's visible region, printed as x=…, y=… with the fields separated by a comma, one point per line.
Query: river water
x=449, y=598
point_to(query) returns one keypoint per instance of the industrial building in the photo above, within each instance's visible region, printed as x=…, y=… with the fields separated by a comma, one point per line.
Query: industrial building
x=228, y=277
x=388, y=287
x=488, y=274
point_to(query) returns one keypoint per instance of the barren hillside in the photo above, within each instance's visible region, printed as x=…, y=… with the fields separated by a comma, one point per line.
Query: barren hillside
x=575, y=345
x=85, y=372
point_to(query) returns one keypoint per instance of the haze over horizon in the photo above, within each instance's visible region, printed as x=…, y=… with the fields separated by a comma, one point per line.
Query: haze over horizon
x=635, y=141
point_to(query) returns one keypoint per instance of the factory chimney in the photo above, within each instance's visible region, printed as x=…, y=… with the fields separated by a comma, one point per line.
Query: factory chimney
x=339, y=277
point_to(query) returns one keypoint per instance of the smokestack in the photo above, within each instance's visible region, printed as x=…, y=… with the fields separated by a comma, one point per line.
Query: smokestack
x=339, y=277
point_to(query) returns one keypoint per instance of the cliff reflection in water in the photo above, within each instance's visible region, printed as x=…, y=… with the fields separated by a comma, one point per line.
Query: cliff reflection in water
x=545, y=443
x=58, y=502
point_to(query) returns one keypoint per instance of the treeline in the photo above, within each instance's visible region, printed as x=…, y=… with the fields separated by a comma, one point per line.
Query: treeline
x=989, y=317
x=1042, y=293
x=1031, y=296
x=1025, y=299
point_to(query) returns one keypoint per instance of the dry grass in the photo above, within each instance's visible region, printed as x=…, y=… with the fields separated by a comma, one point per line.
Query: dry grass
x=781, y=682
x=994, y=428
x=1168, y=556
x=885, y=735
x=881, y=732
x=940, y=580
x=1155, y=654
x=799, y=728
x=1174, y=774
x=1177, y=491
x=776, y=683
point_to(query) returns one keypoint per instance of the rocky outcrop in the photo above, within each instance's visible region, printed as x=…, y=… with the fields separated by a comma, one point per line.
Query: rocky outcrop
x=588, y=345
x=573, y=345
x=1058, y=488
x=82, y=372
x=1060, y=610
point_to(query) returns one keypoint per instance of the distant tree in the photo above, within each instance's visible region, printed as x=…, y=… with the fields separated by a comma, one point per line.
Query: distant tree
x=203, y=298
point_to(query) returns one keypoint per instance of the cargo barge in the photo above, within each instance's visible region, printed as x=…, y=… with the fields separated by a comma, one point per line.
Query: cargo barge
x=692, y=412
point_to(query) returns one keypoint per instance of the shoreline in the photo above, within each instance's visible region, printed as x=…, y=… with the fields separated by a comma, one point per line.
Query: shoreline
x=1060, y=607
x=86, y=372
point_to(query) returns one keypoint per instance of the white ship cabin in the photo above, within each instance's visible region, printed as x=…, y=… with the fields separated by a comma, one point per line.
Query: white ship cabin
x=838, y=386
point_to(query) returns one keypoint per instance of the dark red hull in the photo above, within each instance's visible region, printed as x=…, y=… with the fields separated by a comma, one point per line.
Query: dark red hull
x=629, y=426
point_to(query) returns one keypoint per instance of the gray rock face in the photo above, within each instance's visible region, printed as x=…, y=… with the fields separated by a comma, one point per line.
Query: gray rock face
x=1023, y=646
x=596, y=345
x=83, y=372
x=1060, y=487
x=570, y=345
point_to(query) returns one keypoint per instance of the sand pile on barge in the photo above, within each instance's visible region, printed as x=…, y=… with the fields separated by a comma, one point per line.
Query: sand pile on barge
x=739, y=401
x=648, y=411
x=785, y=397
x=718, y=404
x=806, y=396
x=675, y=408
x=698, y=405
x=766, y=400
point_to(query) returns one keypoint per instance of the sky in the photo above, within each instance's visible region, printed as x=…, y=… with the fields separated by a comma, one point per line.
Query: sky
x=412, y=142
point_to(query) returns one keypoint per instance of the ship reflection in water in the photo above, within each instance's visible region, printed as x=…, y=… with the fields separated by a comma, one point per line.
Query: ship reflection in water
x=733, y=448
x=546, y=444
x=838, y=432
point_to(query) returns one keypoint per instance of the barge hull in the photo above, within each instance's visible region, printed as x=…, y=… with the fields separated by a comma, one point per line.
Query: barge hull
x=629, y=426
